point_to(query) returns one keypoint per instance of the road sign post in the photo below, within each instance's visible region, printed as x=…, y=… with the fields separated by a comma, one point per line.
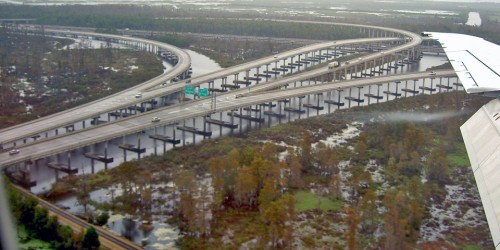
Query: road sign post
x=203, y=92
x=189, y=90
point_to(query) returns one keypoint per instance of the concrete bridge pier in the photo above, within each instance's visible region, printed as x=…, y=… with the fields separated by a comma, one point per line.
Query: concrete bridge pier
x=406, y=87
x=21, y=174
x=220, y=127
x=35, y=137
x=99, y=157
x=183, y=134
x=397, y=94
x=337, y=103
x=378, y=93
x=415, y=87
x=300, y=111
x=369, y=93
x=129, y=147
x=70, y=128
x=430, y=89
x=194, y=134
x=359, y=95
x=442, y=86
x=193, y=130
x=378, y=97
x=351, y=98
x=258, y=75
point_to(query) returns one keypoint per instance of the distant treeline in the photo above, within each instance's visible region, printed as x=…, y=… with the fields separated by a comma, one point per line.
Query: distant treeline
x=167, y=18
x=143, y=21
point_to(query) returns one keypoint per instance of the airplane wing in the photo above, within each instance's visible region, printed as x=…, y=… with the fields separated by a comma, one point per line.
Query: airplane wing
x=476, y=61
x=481, y=135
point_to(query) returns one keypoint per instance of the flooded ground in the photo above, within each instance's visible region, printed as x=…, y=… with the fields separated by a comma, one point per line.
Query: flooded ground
x=474, y=19
x=162, y=235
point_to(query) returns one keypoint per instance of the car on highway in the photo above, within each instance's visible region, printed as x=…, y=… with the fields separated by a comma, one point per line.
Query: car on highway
x=432, y=73
x=333, y=65
x=155, y=119
x=14, y=151
x=138, y=95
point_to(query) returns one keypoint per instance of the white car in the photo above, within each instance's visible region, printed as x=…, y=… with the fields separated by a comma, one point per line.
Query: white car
x=432, y=73
x=155, y=119
x=14, y=151
x=138, y=95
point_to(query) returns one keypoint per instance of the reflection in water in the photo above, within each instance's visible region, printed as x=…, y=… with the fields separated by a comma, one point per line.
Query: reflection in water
x=129, y=228
x=474, y=19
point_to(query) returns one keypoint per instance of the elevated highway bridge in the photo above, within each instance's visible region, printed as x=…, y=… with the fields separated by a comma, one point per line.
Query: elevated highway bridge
x=180, y=112
x=342, y=77
x=155, y=88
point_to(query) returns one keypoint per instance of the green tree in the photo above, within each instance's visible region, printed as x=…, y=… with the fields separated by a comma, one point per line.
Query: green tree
x=246, y=187
x=246, y=156
x=367, y=208
x=437, y=167
x=65, y=238
x=352, y=221
x=217, y=172
x=295, y=180
x=395, y=219
x=39, y=223
x=305, y=150
x=276, y=216
x=334, y=187
x=102, y=219
x=268, y=193
x=91, y=239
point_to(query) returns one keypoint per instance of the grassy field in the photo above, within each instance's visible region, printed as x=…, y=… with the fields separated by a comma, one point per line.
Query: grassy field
x=306, y=200
x=459, y=156
x=26, y=242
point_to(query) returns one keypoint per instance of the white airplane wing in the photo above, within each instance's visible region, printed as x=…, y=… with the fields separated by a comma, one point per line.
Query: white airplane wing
x=481, y=135
x=476, y=61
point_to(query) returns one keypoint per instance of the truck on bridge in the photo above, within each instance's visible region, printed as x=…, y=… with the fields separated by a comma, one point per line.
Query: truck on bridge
x=333, y=65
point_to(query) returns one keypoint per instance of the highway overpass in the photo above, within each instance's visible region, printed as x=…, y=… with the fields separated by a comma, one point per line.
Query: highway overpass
x=184, y=111
x=154, y=89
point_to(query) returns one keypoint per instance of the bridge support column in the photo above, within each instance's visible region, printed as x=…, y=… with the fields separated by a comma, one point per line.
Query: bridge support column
x=414, y=87
x=183, y=134
x=349, y=99
x=194, y=134
x=300, y=105
x=204, y=126
x=359, y=95
x=378, y=91
x=397, y=89
x=406, y=87
x=241, y=122
x=339, y=103
x=220, y=127
x=139, y=146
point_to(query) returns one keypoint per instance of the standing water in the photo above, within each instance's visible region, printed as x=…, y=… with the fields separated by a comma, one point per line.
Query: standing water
x=162, y=235
x=474, y=19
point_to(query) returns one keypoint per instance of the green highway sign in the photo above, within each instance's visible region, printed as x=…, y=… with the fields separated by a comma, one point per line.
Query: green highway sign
x=203, y=92
x=189, y=90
